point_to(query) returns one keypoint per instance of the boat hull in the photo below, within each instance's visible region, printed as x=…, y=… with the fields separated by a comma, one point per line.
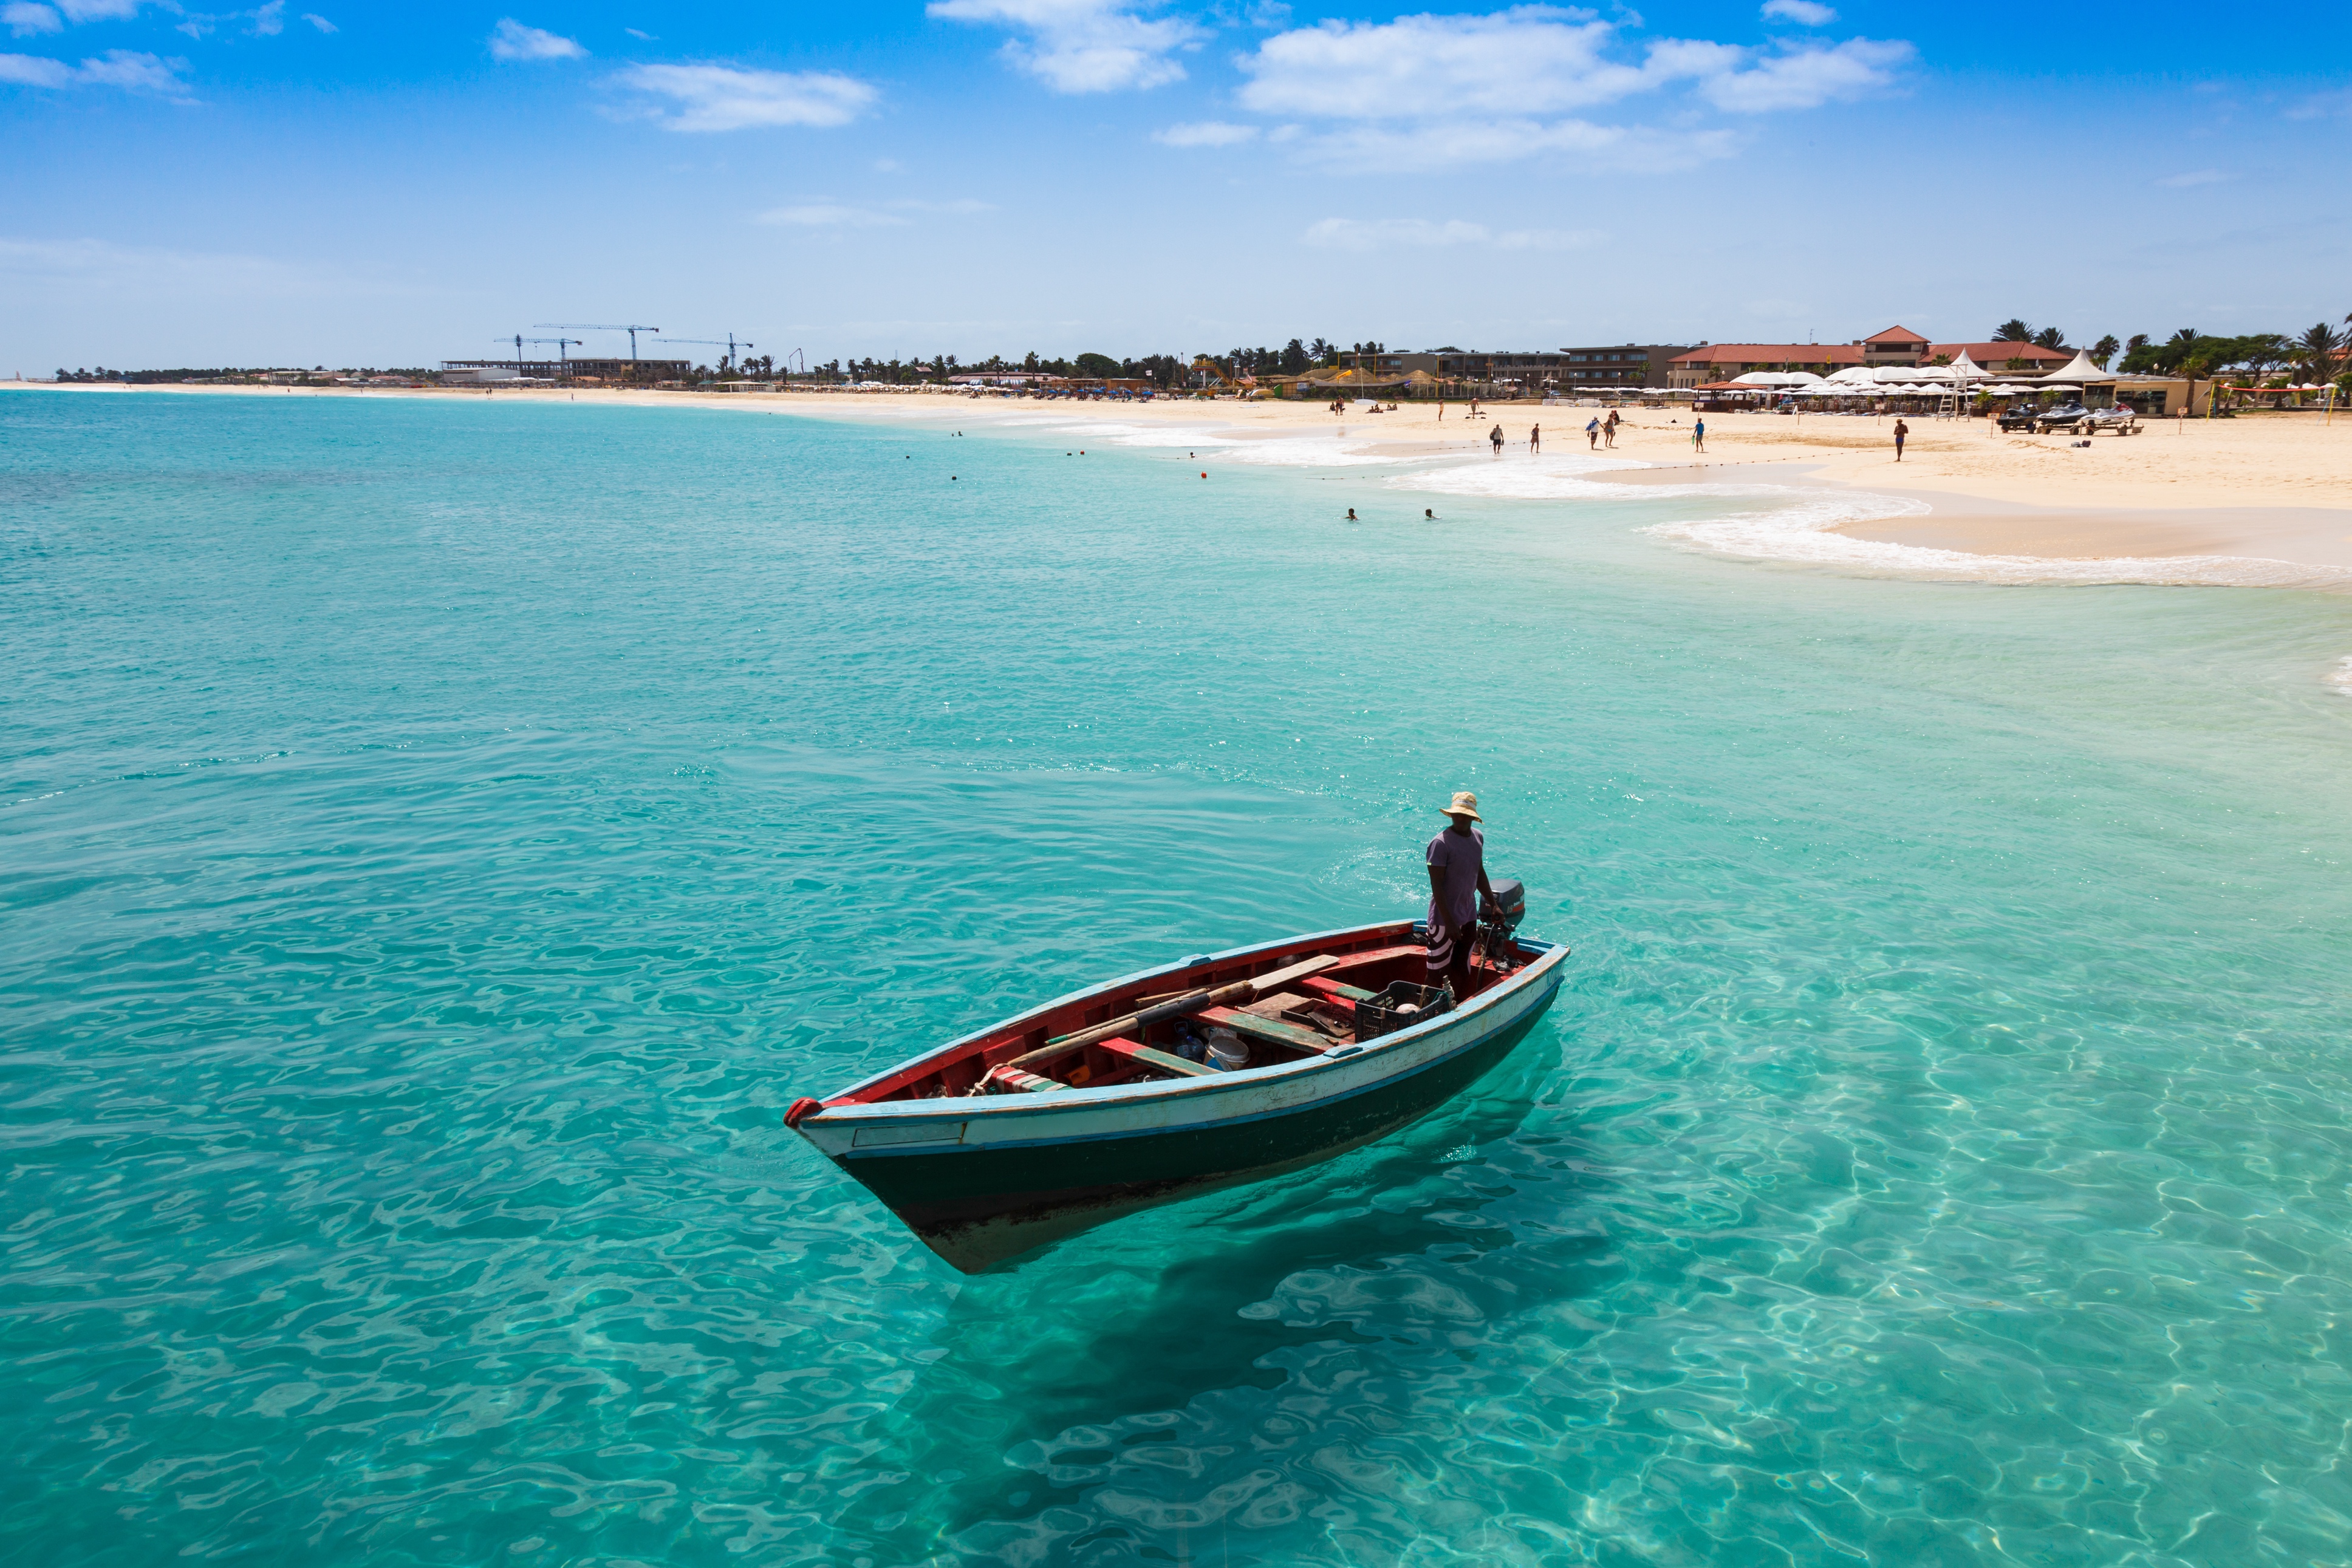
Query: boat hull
x=984, y=1179
x=976, y=1207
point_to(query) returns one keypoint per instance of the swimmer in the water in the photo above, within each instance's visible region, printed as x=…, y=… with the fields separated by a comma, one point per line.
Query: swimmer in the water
x=1351, y=514
x=1430, y=514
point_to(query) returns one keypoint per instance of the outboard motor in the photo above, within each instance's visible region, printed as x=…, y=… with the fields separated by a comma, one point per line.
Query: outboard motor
x=1499, y=919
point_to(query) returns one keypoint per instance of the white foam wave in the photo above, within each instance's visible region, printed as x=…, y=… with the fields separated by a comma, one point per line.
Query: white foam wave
x=2340, y=677
x=1278, y=452
x=1308, y=452
x=1804, y=532
x=1561, y=478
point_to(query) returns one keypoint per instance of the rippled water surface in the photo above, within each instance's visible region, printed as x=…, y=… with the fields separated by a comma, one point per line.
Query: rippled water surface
x=439, y=837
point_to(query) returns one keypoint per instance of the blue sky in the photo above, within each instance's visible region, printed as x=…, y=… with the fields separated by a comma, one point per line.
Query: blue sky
x=400, y=185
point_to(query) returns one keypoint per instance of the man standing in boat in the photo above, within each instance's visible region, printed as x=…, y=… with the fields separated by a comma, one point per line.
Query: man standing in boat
x=1457, y=882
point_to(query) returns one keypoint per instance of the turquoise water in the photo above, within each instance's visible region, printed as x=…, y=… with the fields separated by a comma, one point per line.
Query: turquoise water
x=440, y=838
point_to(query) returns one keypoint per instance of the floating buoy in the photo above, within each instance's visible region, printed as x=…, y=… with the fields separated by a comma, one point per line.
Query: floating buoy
x=1204, y=476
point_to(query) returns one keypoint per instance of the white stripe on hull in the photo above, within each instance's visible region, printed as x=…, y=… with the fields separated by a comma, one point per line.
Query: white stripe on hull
x=855, y=1133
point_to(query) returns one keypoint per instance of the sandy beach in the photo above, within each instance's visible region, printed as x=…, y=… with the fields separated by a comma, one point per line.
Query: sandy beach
x=2271, y=488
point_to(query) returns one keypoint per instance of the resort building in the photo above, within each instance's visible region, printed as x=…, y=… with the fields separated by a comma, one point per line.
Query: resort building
x=1622, y=365
x=1895, y=346
x=475, y=372
x=1533, y=373
x=1710, y=363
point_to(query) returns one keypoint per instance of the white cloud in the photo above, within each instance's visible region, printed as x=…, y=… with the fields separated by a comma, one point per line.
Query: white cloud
x=122, y=69
x=1527, y=59
x=134, y=72
x=270, y=20
x=1805, y=13
x=825, y=215
x=32, y=70
x=1388, y=233
x=641, y=38
x=80, y=11
x=510, y=40
x=90, y=273
x=317, y=21
x=1429, y=92
x=1445, y=144
x=2193, y=177
x=25, y=20
x=1807, y=77
x=721, y=97
x=1205, y=134
x=829, y=215
x=1084, y=46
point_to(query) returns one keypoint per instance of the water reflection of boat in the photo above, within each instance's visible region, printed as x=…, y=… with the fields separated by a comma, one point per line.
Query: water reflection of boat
x=1112, y=1099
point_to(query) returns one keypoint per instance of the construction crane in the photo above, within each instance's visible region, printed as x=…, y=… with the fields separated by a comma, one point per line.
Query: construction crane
x=519, y=341
x=599, y=327
x=714, y=343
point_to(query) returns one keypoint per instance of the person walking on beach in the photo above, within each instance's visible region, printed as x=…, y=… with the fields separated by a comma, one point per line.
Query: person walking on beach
x=1457, y=882
x=1592, y=431
x=1535, y=440
x=1901, y=430
x=1609, y=430
x=1494, y=435
x=1698, y=436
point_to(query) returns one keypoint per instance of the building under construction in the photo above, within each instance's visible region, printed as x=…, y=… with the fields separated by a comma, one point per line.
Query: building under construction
x=484, y=370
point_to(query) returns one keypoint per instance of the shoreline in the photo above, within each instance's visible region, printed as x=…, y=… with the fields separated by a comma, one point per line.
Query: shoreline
x=2267, y=493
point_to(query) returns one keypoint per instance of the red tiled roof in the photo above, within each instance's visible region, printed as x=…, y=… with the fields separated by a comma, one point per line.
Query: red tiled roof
x=1995, y=354
x=1896, y=335
x=1772, y=354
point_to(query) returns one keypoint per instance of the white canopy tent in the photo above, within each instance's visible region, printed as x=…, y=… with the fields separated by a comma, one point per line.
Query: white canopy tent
x=2079, y=371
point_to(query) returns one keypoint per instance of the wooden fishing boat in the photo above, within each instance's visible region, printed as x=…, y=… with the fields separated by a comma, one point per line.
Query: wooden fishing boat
x=1101, y=1102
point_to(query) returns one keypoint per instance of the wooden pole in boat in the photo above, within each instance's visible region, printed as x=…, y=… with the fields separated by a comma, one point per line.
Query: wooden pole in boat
x=1223, y=995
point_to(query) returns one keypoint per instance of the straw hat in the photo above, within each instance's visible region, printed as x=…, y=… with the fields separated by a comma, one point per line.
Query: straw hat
x=1466, y=804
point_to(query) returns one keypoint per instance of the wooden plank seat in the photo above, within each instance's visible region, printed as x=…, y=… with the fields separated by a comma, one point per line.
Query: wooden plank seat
x=1145, y=1056
x=1272, y=1031
x=1336, y=993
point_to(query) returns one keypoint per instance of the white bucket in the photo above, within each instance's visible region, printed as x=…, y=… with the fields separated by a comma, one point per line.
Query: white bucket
x=1226, y=1052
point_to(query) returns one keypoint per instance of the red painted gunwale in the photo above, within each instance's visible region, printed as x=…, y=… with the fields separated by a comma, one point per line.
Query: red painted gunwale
x=1358, y=950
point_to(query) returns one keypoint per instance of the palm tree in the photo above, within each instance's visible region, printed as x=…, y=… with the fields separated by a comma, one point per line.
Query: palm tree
x=2104, y=349
x=2181, y=347
x=2012, y=331
x=2318, y=350
x=2050, y=338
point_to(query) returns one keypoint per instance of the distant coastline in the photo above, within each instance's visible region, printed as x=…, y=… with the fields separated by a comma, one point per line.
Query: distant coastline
x=2262, y=488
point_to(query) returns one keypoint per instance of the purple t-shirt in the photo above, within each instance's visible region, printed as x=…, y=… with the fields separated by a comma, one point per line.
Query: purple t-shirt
x=1461, y=856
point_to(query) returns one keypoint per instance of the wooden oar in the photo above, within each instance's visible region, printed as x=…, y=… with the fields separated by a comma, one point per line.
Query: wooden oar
x=1223, y=996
